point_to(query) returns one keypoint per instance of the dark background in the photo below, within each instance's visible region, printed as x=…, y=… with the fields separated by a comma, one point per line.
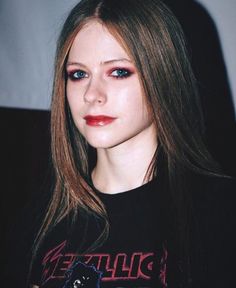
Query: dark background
x=25, y=144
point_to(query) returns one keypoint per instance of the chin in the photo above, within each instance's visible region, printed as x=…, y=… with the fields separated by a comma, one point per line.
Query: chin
x=100, y=143
x=104, y=143
x=100, y=140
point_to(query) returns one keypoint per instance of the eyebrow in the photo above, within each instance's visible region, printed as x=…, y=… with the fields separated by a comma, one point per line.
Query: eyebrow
x=102, y=63
x=116, y=60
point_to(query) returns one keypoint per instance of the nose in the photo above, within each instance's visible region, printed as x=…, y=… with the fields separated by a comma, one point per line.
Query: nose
x=95, y=92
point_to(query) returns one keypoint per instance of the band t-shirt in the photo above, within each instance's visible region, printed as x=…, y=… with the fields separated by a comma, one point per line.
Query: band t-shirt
x=137, y=252
x=133, y=255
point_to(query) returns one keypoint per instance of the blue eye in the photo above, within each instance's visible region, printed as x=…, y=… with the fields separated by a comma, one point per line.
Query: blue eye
x=77, y=75
x=121, y=73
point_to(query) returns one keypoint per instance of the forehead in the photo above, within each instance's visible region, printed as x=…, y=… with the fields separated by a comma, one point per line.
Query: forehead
x=95, y=41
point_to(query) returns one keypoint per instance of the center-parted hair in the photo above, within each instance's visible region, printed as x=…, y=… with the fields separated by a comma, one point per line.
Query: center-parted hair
x=154, y=41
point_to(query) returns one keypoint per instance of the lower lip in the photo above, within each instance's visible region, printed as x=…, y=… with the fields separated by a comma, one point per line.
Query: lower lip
x=99, y=122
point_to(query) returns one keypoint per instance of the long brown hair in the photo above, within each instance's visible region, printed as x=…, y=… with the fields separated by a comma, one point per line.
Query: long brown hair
x=154, y=40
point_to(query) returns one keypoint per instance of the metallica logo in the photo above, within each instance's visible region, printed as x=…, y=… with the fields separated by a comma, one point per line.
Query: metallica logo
x=121, y=266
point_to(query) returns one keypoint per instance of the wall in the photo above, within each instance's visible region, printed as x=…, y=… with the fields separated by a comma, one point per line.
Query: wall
x=224, y=15
x=28, y=29
x=28, y=33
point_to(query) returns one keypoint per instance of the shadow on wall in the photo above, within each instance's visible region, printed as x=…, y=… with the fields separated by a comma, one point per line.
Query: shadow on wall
x=25, y=179
x=209, y=68
x=24, y=146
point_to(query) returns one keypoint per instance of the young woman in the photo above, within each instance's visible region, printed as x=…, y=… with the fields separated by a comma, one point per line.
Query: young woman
x=129, y=208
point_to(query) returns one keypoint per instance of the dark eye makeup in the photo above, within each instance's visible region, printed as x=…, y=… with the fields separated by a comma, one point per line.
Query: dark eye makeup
x=117, y=73
x=77, y=75
x=120, y=73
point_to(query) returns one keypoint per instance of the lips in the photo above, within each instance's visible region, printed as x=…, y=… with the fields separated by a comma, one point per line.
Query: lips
x=98, y=120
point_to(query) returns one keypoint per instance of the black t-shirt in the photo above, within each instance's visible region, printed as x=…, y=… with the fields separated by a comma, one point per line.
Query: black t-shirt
x=136, y=253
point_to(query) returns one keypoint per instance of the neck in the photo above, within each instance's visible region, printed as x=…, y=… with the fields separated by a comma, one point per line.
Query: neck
x=124, y=167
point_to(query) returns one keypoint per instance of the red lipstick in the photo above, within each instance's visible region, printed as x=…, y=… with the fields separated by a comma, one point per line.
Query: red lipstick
x=98, y=120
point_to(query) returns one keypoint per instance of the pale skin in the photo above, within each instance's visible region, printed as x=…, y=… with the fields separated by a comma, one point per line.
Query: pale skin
x=126, y=146
x=103, y=80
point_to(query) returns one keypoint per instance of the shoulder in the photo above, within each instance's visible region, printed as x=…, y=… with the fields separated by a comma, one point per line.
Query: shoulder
x=213, y=202
x=213, y=188
x=53, y=241
x=213, y=199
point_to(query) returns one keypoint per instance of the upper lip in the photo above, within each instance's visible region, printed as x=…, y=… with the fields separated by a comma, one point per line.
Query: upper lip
x=98, y=117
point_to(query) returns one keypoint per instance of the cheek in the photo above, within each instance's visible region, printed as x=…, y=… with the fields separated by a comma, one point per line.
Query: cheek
x=74, y=100
x=131, y=102
x=75, y=108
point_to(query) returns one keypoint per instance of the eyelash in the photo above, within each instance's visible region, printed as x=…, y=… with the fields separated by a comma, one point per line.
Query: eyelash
x=124, y=73
x=72, y=75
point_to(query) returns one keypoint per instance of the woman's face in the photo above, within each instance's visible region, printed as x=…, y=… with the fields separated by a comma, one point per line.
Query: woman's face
x=104, y=92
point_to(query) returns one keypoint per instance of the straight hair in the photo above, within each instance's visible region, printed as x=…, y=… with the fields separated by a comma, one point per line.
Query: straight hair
x=154, y=40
